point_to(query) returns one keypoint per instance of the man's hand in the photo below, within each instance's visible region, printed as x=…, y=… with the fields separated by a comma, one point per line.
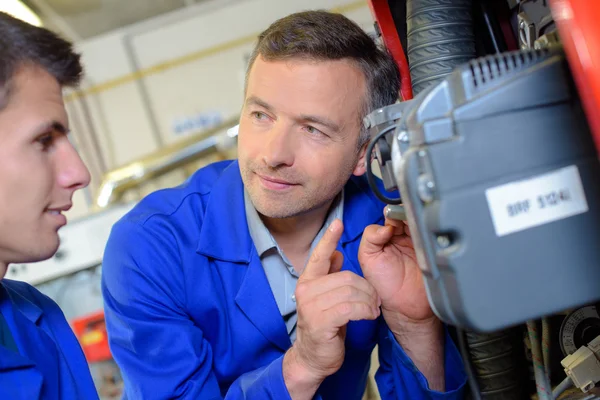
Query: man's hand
x=327, y=300
x=388, y=261
x=387, y=258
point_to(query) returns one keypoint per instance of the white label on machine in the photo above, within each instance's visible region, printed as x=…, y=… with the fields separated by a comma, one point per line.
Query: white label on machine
x=533, y=202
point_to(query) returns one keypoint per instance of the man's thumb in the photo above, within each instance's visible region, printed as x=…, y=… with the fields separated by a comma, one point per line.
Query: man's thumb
x=375, y=237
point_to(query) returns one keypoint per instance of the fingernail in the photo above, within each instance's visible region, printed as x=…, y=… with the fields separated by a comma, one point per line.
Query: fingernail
x=334, y=225
x=381, y=229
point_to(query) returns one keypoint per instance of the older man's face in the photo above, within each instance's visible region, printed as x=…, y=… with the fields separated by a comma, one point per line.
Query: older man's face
x=299, y=131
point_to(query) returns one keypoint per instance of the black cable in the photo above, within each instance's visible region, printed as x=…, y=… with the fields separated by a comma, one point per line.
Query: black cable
x=464, y=352
x=371, y=177
x=490, y=28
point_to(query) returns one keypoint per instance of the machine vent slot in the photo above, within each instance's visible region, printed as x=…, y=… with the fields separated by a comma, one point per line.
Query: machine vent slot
x=486, y=70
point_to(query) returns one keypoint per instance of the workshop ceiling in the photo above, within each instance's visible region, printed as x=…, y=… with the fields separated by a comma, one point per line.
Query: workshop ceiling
x=82, y=19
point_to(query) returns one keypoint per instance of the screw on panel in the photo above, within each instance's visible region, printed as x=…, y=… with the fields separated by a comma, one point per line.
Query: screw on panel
x=425, y=188
x=443, y=241
x=403, y=136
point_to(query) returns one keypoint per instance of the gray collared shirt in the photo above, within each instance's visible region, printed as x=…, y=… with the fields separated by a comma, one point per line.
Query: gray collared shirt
x=279, y=270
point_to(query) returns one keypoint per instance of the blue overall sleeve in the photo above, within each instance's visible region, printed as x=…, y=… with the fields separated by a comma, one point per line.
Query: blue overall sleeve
x=398, y=378
x=162, y=354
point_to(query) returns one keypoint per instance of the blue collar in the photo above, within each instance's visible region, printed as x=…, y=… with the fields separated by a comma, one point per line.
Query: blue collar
x=225, y=236
x=31, y=311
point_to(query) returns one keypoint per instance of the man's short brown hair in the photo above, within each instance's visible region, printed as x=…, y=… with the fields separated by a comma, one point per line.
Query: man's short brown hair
x=322, y=35
x=22, y=44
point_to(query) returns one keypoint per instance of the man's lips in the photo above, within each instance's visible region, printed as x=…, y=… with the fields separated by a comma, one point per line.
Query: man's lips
x=275, y=183
x=59, y=209
x=56, y=213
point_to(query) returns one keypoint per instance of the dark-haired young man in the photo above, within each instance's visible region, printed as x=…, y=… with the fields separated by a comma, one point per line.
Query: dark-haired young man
x=40, y=170
x=243, y=283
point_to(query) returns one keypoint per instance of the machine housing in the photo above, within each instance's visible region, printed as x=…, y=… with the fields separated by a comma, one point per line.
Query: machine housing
x=498, y=173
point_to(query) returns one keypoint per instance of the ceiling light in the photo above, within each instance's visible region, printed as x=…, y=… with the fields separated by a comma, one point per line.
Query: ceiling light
x=19, y=10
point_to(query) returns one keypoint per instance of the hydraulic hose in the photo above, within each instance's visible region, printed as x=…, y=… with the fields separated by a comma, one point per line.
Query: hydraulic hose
x=495, y=360
x=439, y=38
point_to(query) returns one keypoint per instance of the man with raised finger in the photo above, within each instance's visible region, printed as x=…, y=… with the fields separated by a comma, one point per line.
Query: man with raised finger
x=245, y=282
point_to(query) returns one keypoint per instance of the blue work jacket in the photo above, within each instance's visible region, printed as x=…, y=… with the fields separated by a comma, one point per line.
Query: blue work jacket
x=50, y=363
x=190, y=314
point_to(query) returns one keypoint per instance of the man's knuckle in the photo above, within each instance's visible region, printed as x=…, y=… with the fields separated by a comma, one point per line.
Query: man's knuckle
x=374, y=298
x=364, y=310
x=302, y=324
x=344, y=309
x=348, y=277
x=301, y=289
x=301, y=310
x=305, y=315
x=348, y=291
x=315, y=257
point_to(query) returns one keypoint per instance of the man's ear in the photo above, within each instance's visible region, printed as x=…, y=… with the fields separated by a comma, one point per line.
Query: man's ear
x=361, y=166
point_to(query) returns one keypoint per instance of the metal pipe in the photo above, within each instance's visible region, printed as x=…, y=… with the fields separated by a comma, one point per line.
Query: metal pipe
x=93, y=134
x=140, y=83
x=99, y=118
x=132, y=175
x=79, y=142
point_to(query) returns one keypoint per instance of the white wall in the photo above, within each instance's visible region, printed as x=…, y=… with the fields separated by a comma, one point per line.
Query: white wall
x=216, y=37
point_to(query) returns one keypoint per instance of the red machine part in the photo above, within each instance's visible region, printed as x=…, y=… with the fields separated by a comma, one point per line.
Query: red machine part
x=383, y=16
x=579, y=30
x=90, y=330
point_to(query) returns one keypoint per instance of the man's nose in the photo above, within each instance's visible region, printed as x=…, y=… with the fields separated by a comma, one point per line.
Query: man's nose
x=72, y=172
x=278, y=146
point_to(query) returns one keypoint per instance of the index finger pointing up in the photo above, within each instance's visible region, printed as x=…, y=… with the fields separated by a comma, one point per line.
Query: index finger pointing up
x=320, y=259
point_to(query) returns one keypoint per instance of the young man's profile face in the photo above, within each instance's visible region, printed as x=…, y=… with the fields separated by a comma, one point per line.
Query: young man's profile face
x=39, y=168
x=299, y=132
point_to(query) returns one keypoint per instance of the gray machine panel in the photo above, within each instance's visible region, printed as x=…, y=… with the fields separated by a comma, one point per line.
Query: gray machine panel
x=508, y=228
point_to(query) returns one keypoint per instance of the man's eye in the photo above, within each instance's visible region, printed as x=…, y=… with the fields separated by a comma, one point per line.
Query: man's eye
x=259, y=115
x=46, y=140
x=312, y=130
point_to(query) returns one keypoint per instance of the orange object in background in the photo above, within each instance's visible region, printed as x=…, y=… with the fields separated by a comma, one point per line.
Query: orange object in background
x=579, y=30
x=91, y=333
